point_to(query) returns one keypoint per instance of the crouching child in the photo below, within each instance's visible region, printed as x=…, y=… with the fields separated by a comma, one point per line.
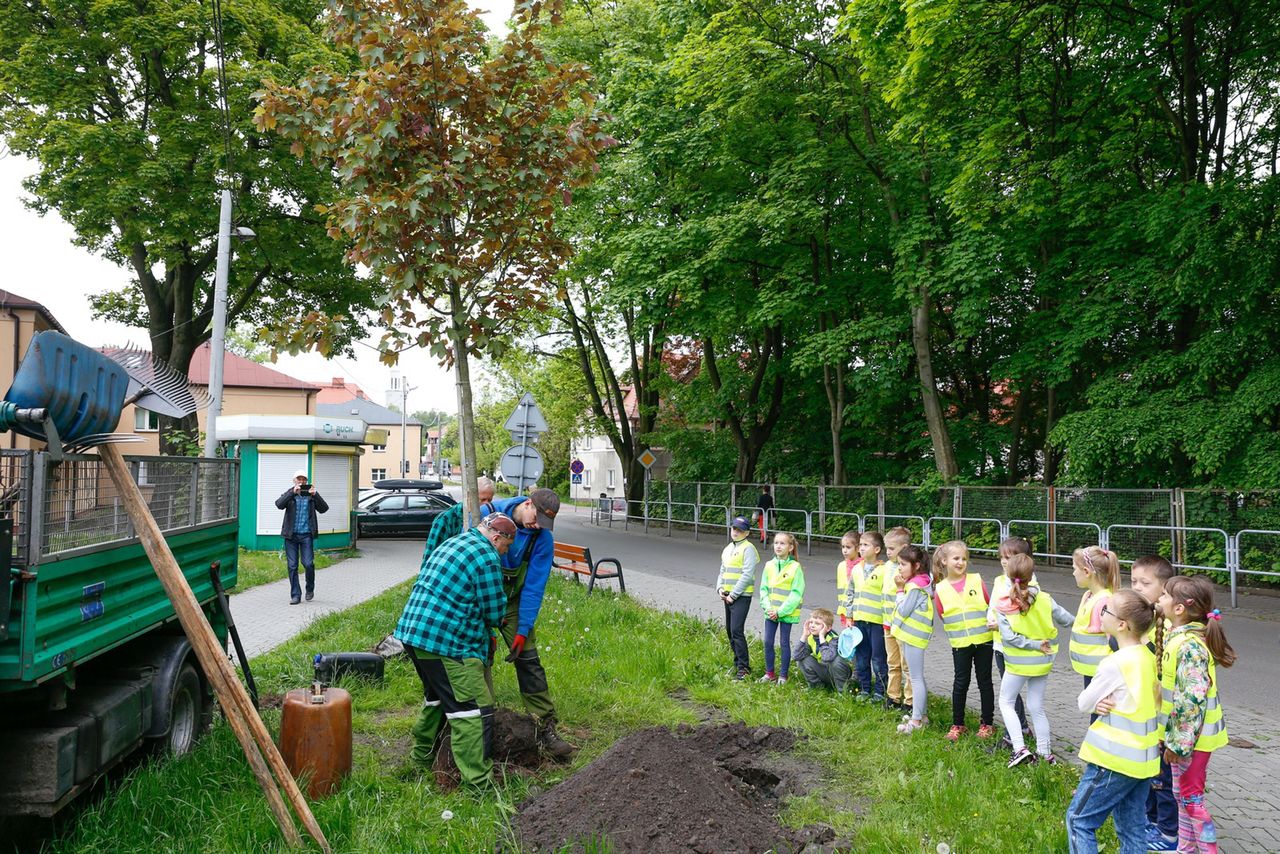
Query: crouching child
x=817, y=653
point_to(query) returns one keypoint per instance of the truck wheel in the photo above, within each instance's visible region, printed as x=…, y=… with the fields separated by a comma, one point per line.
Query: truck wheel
x=188, y=713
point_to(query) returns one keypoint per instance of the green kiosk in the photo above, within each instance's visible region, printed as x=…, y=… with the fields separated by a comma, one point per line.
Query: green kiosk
x=271, y=448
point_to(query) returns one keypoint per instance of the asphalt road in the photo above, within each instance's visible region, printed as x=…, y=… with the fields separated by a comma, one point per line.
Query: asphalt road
x=1253, y=628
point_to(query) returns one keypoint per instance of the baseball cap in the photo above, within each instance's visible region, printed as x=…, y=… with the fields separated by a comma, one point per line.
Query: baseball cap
x=741, y=523
x=301, y=473
x=548, y=505
x=501, y=523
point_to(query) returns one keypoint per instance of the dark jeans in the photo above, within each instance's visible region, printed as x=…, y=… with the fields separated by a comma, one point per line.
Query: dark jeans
x=772, y=629
x=300, y=548
x=735, y=622
x=869, y=657
x=1162, y=808
x=1017, y=704
x=973, y=660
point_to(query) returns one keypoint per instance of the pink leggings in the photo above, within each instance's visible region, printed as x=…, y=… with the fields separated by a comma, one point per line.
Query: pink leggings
x=1196, y=832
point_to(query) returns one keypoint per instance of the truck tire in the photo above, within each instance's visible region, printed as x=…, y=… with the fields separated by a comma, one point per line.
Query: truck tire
x=189, y=713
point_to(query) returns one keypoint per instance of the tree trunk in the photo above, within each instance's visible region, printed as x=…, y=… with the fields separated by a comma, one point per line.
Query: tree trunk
x=466, y=417
x=1050, y=456
x=943, y=453
x=1015, y=444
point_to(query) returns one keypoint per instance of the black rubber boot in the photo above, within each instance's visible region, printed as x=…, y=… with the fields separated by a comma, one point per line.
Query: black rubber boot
x=551, y=742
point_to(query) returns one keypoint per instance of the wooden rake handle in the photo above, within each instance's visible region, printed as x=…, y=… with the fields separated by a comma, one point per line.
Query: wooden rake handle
x=254, y=739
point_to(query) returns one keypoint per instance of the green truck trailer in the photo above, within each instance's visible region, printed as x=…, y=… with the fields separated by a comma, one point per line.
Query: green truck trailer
x=93, y=663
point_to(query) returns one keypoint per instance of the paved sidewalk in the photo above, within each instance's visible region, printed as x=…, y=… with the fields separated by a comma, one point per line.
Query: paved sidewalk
x=1242, y=792
x=265, y=618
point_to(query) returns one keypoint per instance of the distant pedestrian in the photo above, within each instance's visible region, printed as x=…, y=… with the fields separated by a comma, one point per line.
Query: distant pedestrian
x=735, y=585
x=300, y=503
x=764, y=506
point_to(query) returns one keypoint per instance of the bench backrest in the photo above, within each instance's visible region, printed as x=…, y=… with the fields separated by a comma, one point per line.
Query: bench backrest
x=568, y=551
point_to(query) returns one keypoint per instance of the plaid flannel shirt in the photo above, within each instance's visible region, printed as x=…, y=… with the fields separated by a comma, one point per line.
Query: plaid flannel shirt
x=457, y=598
x=447, y=526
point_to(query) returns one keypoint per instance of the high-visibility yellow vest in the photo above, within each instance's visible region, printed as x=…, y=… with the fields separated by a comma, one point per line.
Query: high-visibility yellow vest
x=1128, y=742
x=889, y=591
x=1087, y=648
x=868, y=604
x=779, y=579
x=1213, y=732
x=844, y=585
x=812, y=640
x=1037, y=625
x=917, y=627
x=964, y=615
x=733, y=559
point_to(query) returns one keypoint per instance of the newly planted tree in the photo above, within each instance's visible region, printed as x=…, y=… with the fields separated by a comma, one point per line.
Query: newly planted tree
x=453, y=160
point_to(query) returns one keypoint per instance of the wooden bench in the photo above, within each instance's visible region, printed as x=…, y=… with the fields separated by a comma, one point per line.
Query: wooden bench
x=577, y=559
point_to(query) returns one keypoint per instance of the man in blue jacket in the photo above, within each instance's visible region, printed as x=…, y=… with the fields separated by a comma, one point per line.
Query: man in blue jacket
x=300, y=504
x=525, y=569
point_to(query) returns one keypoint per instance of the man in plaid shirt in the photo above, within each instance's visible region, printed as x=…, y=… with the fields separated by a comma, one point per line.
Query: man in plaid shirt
x=446, y=631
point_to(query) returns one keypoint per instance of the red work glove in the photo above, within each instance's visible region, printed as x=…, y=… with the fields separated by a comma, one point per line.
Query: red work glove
x=517, y=647
x=493, y=647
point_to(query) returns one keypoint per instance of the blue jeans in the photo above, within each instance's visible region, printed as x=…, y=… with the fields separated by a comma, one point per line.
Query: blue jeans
x=301, y=547
x=1104, y=792
x=870, y=656
x=782, y=631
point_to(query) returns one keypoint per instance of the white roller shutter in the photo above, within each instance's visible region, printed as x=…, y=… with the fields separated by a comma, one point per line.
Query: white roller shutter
x=332, y=476
x=275, y=475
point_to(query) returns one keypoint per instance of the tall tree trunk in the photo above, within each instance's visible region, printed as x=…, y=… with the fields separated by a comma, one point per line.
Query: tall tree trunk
x=943, y=453
x=1050, y=455
x=1015, y=444
x=466, y=415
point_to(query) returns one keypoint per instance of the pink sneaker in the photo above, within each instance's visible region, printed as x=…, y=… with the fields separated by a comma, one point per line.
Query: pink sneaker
x=955, y=732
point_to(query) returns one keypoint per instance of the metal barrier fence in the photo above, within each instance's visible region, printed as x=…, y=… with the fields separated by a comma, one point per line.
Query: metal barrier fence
x=1222, y=533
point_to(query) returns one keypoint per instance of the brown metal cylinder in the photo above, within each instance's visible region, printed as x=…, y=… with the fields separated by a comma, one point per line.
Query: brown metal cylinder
x=315, y=737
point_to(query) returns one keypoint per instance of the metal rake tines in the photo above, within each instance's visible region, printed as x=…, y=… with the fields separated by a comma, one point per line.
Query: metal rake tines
x=84, y=443
x=157, y=386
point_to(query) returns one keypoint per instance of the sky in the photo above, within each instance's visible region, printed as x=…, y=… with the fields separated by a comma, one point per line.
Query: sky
x=40, y=262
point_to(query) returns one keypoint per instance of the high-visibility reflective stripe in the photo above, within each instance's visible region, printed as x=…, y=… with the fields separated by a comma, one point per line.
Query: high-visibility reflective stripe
x=1019, y=658
x=1142, y=728
x=469, y=713
x=1089, y=640
x=1124, y=751
x=1087, y=659
x=1212, y=727
x=429, y=703
x=953, y=618
x=969, y=632
x=913, y=631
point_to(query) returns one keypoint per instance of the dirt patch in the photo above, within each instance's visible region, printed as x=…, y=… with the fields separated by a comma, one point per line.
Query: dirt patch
x=515, y=749
x=710, y=788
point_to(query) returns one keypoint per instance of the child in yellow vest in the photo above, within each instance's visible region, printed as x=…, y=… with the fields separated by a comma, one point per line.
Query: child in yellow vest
x=735, y=583
x=1147, y=577
x=898, y=690
x=866, y=610
x=961, y=600
x=1193, y=726
x=1097, y=572
x=846, y=569
x=817, y=653
x=912, y=625
x=781, y=592
x=1028, y=619
x=1000, y=588
x=1121, y=750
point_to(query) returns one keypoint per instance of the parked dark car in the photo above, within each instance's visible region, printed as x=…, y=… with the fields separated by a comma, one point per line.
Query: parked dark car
x=401, y=513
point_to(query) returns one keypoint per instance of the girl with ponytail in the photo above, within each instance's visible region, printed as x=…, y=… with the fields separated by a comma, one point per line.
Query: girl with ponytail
x=1191, y=715
x=1097, y=571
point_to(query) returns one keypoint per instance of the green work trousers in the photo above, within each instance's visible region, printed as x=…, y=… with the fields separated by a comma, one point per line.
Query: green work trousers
x=530, y=676
x=454, y=690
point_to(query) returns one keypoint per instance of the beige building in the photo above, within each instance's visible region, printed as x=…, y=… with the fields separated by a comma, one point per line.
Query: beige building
x=247, y=389
x=382, y=460
x=20, y=320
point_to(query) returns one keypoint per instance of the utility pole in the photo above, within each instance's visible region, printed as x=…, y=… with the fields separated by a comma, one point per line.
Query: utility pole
x=404, y=427
x=218, y=341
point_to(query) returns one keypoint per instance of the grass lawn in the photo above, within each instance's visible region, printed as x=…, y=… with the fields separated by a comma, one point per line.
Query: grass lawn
x=614, y=667
x=254, y=568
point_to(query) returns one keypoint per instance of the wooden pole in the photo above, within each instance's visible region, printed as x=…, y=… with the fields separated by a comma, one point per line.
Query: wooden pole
x=244, y=720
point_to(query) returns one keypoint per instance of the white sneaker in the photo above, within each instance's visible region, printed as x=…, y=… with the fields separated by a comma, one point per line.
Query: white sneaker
x=782, y=680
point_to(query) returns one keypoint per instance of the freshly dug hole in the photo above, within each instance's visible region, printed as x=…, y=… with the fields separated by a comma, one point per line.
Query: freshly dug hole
x=712, y=788
x=515, y=749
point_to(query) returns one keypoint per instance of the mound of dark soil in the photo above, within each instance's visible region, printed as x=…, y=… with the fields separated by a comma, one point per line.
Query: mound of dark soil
x=712, y=788
x=514, y=749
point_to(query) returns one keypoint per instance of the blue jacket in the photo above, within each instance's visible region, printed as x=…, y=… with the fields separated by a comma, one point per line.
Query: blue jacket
x=535, y=580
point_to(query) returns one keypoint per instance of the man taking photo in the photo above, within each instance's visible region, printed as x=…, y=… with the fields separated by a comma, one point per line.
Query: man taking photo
x=300, y=503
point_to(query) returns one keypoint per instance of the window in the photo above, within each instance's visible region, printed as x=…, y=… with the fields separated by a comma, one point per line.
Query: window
x=380, y=449
x=611, y=478
x=144, y=421
x=417, y=502
x=379, y=474
x=393, y=502
x=586, y=443
x=586, y=477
